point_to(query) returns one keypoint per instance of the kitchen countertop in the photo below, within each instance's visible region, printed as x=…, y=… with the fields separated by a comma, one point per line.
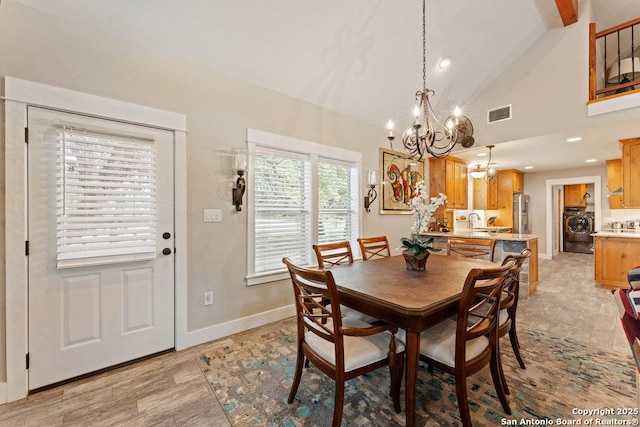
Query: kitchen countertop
x=625, y=232
x=471, y=234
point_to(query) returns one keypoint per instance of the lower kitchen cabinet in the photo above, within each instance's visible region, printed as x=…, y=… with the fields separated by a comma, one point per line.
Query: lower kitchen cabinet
x=614, y=257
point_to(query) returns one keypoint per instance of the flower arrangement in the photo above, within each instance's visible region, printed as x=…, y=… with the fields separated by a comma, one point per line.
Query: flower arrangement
x=416, y=247
x=422, y=208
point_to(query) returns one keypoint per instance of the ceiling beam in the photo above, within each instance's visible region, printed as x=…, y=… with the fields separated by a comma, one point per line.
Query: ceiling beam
x=568, y=11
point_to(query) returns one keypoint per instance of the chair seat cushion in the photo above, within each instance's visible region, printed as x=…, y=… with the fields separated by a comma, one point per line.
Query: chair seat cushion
x=439, y=343
x=358, y=351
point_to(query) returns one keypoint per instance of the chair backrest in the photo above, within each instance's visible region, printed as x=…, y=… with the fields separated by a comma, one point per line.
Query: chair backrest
x=331, y=254
x=310, y=289
x=471, y=248
x=512, y=284
x=374, y=246
x=479, y=306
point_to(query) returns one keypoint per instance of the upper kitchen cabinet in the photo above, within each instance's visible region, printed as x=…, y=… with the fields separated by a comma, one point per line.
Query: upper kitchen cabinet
x=574, y=196
x=485, y=194
x=449, y=176
x=614, y=182
x=518, y=181
x=630, y=172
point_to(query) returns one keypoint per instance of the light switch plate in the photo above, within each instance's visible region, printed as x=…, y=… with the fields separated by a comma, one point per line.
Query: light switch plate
x=213, y=215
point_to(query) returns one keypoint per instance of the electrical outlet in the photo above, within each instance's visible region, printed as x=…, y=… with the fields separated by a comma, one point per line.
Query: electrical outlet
x=208, y=297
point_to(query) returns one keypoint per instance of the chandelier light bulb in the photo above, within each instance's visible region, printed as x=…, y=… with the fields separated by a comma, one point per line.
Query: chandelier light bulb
x=416, y=111
x=456, y=111
x=390, y=125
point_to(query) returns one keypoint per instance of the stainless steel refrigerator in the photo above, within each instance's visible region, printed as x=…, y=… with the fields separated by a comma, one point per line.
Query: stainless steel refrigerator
x=521, y=221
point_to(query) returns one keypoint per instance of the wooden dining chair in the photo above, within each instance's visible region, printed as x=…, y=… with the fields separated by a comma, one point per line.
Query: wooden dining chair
x=508, y=309
x=471, y=248
x=330, y=254
x=461, y=348
x=374, y=247
x=342, y=348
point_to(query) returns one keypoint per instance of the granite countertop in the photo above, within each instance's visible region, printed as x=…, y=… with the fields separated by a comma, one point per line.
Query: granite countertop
x=625, y=232
x=471, y=234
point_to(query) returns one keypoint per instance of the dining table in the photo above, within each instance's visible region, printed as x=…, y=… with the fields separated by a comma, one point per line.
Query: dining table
x=413, y=300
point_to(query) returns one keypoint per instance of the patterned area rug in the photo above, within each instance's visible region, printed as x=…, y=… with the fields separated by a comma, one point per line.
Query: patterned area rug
x=252, y=377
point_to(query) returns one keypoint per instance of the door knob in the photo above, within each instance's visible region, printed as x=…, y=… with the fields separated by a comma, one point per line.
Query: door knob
x=166, y=251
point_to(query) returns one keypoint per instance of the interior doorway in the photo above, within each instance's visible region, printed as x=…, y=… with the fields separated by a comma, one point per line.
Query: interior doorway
x=555, y=206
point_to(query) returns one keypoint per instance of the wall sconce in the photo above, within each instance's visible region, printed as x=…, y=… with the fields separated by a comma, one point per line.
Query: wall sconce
x=372, y=194
x=239, y=156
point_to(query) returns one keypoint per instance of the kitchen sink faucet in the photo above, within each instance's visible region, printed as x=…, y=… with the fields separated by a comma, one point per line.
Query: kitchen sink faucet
x=470, y=219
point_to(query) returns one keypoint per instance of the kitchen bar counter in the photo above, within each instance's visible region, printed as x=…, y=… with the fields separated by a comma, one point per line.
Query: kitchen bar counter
x=506, y=244
x=479, y=234
x=624, y=233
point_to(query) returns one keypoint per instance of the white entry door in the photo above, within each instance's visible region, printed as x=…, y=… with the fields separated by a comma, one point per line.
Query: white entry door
x=101, y=262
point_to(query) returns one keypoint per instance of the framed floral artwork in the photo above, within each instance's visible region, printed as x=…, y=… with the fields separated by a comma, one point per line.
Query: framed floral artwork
x=398, y=178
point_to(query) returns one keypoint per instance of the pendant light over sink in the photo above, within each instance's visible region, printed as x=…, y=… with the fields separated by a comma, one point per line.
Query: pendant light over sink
x=487, y=173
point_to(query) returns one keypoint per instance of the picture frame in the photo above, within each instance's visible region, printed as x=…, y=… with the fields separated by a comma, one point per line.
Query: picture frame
x=399, y=175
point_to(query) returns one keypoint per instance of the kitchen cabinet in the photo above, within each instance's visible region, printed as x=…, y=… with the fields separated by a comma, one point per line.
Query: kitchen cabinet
x=574, y=196
x=518, y=181
x=630, y=172
x=614, y=182
x=614, y=257
x=506, y=184
x=485, y=194
x=449, y=176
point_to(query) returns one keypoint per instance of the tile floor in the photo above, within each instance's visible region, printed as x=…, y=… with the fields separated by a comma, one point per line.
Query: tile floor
x=171, y=390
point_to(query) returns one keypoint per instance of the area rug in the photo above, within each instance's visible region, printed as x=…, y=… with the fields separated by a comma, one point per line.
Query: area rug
x=252, y=375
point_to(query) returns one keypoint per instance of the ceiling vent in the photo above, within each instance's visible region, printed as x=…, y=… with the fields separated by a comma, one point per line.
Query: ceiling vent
x=499, y=114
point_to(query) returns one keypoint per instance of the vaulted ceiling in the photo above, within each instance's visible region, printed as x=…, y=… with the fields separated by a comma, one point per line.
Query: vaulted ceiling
x=362, y=58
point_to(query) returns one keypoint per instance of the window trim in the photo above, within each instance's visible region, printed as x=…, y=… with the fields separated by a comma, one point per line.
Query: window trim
x=315, y=151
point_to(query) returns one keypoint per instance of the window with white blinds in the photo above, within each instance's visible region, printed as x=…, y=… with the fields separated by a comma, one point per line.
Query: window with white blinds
x=106, y=198
x=282, y=209
x=337, y=193
x=300, y=193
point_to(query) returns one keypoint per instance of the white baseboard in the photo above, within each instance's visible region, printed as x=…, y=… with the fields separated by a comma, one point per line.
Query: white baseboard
x=239, y=325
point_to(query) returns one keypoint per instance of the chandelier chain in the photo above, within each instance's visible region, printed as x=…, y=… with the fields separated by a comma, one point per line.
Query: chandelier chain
x=424, y=45
x=426, y=134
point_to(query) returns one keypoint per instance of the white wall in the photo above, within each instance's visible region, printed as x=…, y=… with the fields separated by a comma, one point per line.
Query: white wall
x=42, y=48
x=547, y=86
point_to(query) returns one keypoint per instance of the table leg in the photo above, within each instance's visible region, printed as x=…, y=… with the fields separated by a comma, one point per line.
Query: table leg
x=413, y=357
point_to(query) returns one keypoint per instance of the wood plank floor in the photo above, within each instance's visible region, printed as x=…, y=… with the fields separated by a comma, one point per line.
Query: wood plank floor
x=171, y=389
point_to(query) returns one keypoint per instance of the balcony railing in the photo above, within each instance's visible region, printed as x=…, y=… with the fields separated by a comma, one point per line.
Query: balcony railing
x=614, y=65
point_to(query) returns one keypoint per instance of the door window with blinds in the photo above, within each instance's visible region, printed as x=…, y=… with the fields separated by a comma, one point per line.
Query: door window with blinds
x=106, y=197
x=299, y=194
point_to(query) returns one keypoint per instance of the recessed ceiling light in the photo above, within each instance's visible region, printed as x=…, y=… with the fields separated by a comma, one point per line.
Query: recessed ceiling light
x=446, y=61
x=481, y=154
x=591, y=160
x=528, y=167
x=574, y=139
